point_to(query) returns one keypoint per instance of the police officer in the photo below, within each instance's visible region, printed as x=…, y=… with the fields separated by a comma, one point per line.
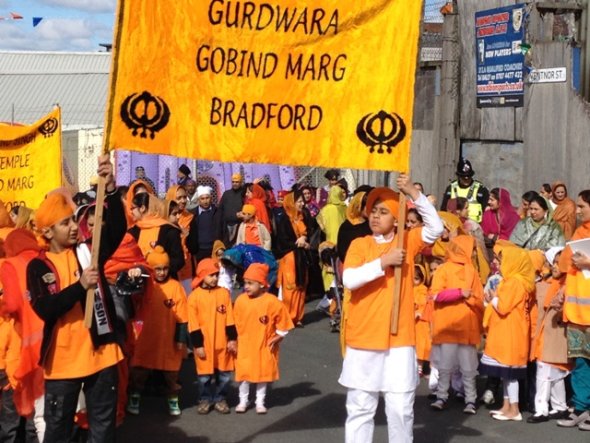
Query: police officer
x=465, y=186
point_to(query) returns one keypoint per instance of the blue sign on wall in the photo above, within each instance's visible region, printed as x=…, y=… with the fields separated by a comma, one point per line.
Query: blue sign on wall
x=499, y=34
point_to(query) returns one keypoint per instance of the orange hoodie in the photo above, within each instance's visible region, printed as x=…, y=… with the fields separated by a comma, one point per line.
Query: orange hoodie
x=459, y=321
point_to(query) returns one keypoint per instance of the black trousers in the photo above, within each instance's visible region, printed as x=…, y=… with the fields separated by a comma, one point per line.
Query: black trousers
x=61, y=399
x=10, y=421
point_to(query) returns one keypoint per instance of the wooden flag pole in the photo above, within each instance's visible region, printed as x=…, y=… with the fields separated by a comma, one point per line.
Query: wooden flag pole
x=397, y=275
x=96, y=232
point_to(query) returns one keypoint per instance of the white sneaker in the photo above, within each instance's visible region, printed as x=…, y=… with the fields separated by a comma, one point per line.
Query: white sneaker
x=488, y=397
x=241, y=408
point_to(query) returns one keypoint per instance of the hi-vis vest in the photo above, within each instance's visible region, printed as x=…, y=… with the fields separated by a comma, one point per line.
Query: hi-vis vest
x=576, y=306
x=470, y=193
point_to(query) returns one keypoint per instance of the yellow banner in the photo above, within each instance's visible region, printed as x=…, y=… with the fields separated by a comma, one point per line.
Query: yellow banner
x=318, y=83
x=30, y=161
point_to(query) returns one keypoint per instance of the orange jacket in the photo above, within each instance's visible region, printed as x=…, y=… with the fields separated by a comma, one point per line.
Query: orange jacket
x=257, y=320
x=163, y=307
x=211, y=311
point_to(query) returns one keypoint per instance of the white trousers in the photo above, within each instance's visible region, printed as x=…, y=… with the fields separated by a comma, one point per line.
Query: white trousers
x=361, y=407
x=244, y=393
x=38, y=419
x=550, y=387
x=463, y=356
x=510, y=390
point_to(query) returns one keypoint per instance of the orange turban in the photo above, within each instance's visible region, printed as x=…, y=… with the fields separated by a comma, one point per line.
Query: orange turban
x=249, y=209
x=257, y=272
x=53, y=209
x=157, y=257
x=237, y=176
x=385, y=195
x=206, y=267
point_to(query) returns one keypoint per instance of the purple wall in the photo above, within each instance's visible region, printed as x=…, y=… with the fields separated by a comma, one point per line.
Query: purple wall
x=161, y=169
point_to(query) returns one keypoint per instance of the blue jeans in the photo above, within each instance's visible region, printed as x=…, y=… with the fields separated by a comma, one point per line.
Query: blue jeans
x=217, y=393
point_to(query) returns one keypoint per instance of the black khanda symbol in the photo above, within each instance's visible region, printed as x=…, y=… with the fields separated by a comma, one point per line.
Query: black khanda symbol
x=382, y=130
x=146, y=112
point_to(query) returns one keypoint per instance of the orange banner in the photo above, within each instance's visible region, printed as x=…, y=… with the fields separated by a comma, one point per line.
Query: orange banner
x=30, y=161
x=315, y=83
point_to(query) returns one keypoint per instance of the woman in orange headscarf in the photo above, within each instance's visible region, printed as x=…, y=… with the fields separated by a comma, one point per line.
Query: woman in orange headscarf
x=507, y=346
x=178, y=194
x=565, y=211
x=292, y=250
x=256, y=196
x=152, y=228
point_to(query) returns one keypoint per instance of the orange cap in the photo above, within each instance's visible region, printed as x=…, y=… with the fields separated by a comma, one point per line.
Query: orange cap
x=249, y=209
x=157, y=257
x=206, y=267
x=53, y=209
x=387, y=196
x=257, y=272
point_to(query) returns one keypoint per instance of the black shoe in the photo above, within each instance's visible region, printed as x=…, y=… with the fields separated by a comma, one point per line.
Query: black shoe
x=559, y=415
x=537, y=419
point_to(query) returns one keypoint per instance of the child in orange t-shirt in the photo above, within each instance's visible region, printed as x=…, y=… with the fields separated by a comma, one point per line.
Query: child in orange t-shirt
x=423, y=338
x=262, y=322
x=161, y=343
x=251, y=231
x=213, y=334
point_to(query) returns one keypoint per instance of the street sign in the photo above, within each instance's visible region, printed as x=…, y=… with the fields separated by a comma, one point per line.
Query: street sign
x=549, y=75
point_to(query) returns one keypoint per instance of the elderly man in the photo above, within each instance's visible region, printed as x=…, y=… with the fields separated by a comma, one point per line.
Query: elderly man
x=205, y=226
x=229, y=207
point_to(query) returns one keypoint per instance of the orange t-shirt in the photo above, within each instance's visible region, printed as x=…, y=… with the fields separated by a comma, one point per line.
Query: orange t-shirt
x=210, y=310
x=369, y=316
x=164, y=306
x=257, y=320
x=71, y=353
x=252, y=234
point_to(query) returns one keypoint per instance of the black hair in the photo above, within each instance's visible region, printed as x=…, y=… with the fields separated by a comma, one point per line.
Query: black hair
x=530, y=195
x=546, y=187
x=462, y=203
x=540, y=201
x=141, y=199
x=496, y=193
x=14, y=210
x=172, y=206
x=416, y=213
x=585, y=195
x=363, y=188
x=418, y=272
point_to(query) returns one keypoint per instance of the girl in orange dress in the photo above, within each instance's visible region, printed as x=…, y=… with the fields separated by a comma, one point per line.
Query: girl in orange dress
x=507, y=346
x=262, y=322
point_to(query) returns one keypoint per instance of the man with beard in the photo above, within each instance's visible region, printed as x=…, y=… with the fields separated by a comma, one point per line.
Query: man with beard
x=230, y=206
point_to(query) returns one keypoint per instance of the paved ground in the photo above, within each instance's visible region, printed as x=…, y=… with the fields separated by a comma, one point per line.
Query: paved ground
x=307, y=406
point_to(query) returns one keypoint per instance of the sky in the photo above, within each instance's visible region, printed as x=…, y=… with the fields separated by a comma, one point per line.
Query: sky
x=70, y=25
x=67, y=25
